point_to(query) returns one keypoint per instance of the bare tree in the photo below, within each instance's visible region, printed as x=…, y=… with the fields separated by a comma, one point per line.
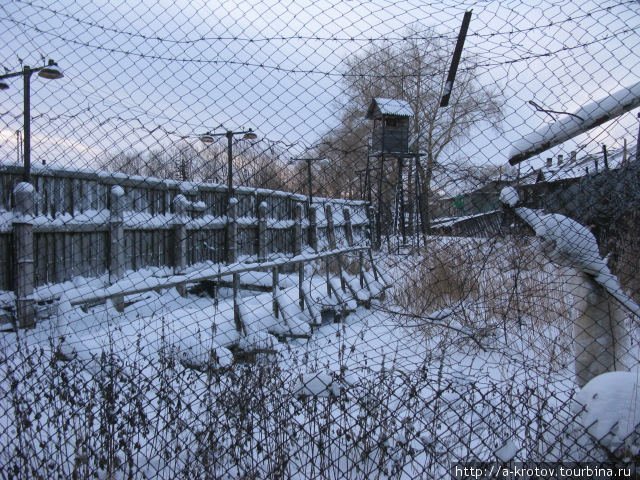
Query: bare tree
x=180, y=162
x=414, y=70
x=254, y=165
x=132, y=163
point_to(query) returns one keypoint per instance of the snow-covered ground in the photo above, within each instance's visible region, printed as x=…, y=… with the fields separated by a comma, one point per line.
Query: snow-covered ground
x=153, y=392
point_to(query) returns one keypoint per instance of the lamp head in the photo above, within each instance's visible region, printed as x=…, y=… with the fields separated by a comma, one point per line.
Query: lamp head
x=51, y=71
x=250, y=135
x=207, y=138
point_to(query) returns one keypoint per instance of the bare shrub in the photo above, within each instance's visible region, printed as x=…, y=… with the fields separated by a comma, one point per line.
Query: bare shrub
x=487, y=288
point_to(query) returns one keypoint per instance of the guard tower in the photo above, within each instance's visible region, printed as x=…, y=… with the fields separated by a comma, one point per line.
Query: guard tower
x=390, y=126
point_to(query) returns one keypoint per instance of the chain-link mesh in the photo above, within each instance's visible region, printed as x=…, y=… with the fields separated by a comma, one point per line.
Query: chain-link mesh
x=342, y=240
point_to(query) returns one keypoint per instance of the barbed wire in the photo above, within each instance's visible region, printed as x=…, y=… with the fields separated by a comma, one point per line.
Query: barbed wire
x=278, y=68
x=553, y=23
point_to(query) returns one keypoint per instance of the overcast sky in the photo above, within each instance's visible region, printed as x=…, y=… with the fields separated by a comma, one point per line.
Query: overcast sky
x=146, y=75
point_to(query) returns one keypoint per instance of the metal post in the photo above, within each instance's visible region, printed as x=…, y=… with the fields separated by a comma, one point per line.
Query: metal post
x=229, y=166
x=49, y=71
x=456, y=59
x=26, y=175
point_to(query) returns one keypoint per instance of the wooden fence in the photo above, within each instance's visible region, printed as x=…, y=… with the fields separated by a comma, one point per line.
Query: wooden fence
x=82, y=223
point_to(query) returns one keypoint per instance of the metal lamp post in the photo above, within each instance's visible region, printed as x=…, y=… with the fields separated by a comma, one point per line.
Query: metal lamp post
x=231, y=229
x=211, y=137
x=50, y=72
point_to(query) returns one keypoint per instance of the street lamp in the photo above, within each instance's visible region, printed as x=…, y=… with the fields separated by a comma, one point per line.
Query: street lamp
x=50, y=72
x=309, y=160
x=211, y=137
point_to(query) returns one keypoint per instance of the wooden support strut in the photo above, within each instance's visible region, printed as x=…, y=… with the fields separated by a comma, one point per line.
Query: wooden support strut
x=180, y=238
x=313, y=228
x=262, y=231
x=331, y=286
x=101, y=294
x=232, y=257
x=116, y=237
x=297, y=250
x=24, y=195
x=232, y=232
x=357, y=294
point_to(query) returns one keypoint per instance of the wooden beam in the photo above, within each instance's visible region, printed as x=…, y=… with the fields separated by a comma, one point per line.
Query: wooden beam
x=126, y=287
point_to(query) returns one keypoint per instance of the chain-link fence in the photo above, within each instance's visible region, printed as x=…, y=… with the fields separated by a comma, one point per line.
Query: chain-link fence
x=342, y=240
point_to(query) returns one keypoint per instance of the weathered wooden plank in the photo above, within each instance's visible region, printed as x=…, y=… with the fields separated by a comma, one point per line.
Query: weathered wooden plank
x=40, y=259
x=67, y=256
x=58, y=258
x=77, y=196
x=6, y=279
x=81, y=248
x=85, y=242
x=23, y=237
x=66, y=191
x=96, y=240
x=128, y=249
x=47, y=203
x=51, y=264
x=232, y=232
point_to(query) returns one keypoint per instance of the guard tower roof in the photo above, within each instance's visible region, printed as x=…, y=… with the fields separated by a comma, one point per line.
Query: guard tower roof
x=388, y=106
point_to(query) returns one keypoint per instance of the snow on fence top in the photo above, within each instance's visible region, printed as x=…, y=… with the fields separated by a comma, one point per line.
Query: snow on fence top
x=73, y=219
x=584, y=119
x=65, y=190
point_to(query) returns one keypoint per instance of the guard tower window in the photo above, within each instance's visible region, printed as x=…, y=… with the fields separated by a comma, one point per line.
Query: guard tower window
x=390, y=125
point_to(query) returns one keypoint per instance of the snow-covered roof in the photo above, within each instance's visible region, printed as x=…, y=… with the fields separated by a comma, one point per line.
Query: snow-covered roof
x=583, y=119
x=579, y=167
x=388, y=106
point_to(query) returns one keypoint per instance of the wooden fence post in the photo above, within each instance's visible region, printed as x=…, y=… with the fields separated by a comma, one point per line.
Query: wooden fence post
x=297, y=250
x=313, y=228
x=232, y=257
x=297, y=229
x=348, y=228
x=24, y=195
x=331, y=236
x=275, y=280
x=262, y=231
x=116, y=234
x=180, y=237
x=372, y=242
x=232, y=232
